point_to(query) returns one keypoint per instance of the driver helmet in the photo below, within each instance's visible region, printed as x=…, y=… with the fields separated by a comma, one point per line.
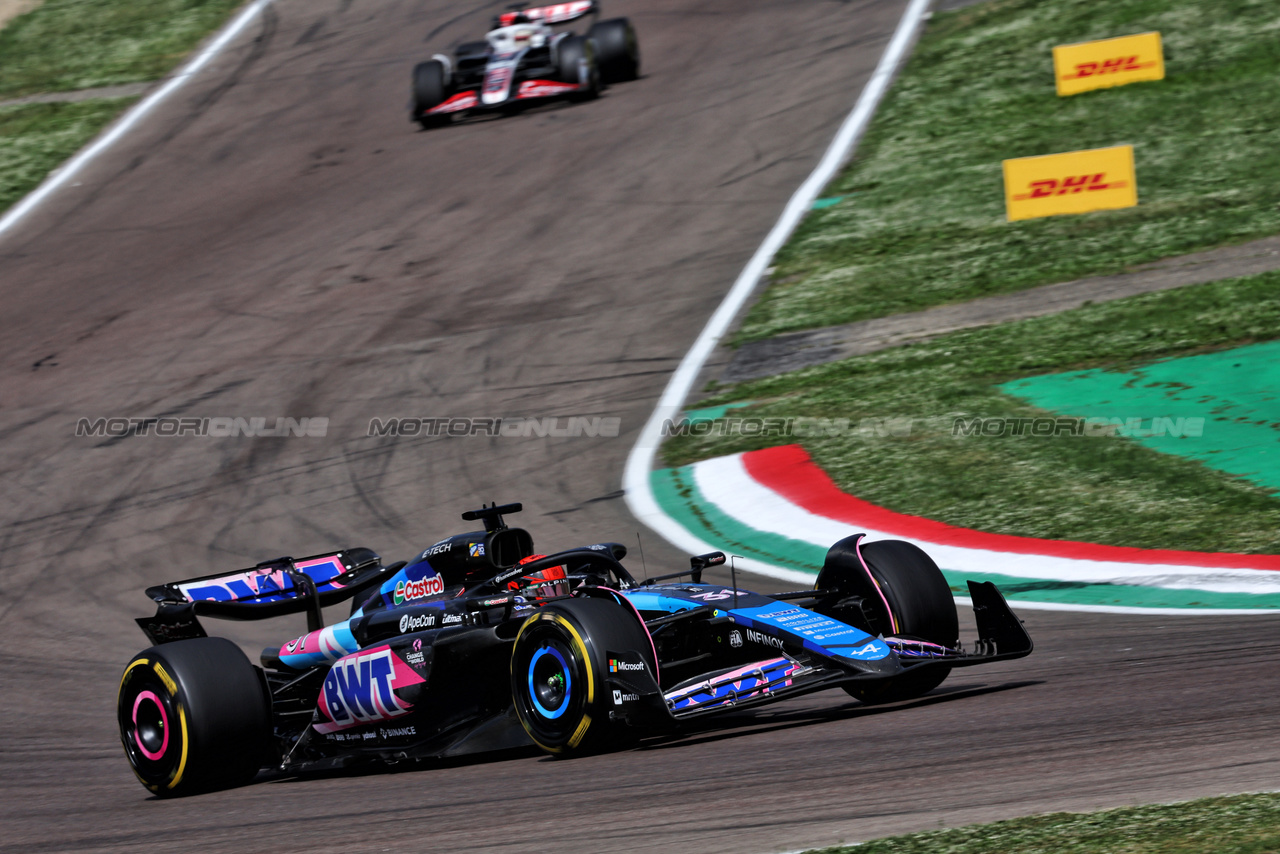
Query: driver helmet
x=507, y=19
x=542, y=584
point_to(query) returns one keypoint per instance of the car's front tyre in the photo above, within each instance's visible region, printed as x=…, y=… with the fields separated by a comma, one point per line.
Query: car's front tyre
x=910, y=599
x=559, y=672
x=617, y=49
x=428, y=92
x=576, y=63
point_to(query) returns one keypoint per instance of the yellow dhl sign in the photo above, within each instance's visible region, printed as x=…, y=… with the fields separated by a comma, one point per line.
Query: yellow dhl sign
x=1110, y=62
x=1075, y=182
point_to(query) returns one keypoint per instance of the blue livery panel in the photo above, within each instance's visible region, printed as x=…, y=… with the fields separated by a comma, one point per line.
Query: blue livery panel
x=809, y=629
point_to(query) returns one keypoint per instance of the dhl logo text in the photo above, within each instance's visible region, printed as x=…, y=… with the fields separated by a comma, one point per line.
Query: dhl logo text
x=1107, y=66
x=1066, y=186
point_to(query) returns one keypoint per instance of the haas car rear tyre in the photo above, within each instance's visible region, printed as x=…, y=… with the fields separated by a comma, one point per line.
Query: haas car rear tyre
x=428, y=92
x=576, y=63
x=559, y=669
x=920, y=604
x=194, y=716
x=617, y=50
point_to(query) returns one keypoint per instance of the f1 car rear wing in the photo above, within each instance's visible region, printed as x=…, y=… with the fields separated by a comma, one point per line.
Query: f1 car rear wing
x=270, y=589
x=562, y=13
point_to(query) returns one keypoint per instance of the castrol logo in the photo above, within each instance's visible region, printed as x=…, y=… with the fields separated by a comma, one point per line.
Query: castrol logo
x=407, y=591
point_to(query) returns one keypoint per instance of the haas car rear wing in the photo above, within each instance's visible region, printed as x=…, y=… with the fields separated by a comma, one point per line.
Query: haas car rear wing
x=562, y=13
x=270, y=589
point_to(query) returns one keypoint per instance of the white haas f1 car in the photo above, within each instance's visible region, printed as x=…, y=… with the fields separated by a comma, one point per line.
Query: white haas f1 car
x=524, y=59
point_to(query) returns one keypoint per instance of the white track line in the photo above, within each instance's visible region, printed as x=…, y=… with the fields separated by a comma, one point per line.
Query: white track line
x=60, y=176
x=635, y=477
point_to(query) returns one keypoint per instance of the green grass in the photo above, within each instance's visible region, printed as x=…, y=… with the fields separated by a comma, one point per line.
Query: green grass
x=36, y=138
x=65, y=45
x=1098, y=489
x=923, y=222
x=1244, y=824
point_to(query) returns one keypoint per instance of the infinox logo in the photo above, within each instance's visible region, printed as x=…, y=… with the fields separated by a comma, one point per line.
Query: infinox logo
x=360, y=688
x=1109, y=62
x=763, y=639
x=1070, y=183
x=409, y=590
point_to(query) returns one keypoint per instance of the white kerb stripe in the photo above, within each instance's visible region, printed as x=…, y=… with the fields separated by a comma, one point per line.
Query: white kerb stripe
x=635, y=478
x=725, y=483
x=60, y=176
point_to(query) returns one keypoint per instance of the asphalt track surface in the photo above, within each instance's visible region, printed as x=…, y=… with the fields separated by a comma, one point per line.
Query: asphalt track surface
x=277, y=240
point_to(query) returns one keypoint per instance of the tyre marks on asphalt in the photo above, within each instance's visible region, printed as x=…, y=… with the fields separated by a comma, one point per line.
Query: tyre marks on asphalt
x=557, y=263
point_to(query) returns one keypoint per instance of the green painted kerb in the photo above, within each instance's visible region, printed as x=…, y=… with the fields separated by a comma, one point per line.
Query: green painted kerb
x=1220, y=408
x=679, y=498
x=712, y=413
x=1017, y=589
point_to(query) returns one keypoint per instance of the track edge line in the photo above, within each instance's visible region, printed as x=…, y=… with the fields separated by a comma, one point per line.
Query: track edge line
x=56, y=179
x=636, y=484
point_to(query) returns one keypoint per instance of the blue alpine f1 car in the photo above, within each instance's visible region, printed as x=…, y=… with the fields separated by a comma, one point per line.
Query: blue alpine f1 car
x=480, y=644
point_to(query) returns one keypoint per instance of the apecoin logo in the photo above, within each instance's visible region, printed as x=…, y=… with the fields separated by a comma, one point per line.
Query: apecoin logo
x=1075, y=184
x=410, y=623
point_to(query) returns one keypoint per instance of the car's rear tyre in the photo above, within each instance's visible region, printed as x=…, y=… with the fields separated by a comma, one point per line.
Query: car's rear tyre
x=194, y=716
x=428, y=92
x=920, y=605
x=617, y=50
x=559, y=668
x=570, y=53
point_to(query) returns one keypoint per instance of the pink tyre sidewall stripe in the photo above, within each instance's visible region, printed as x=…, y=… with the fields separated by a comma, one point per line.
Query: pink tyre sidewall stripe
x=164, y=721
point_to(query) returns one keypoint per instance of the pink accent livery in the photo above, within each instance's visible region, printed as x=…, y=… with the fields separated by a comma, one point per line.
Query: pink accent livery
x=164, y=724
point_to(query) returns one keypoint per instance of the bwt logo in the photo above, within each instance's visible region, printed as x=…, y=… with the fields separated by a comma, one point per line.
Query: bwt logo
x=358, y=689
x=1075, y=184
x=1109, y=66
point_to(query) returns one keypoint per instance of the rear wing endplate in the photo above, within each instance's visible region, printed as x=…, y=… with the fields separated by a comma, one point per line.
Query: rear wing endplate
x=1000, y=632
x=562, y=13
